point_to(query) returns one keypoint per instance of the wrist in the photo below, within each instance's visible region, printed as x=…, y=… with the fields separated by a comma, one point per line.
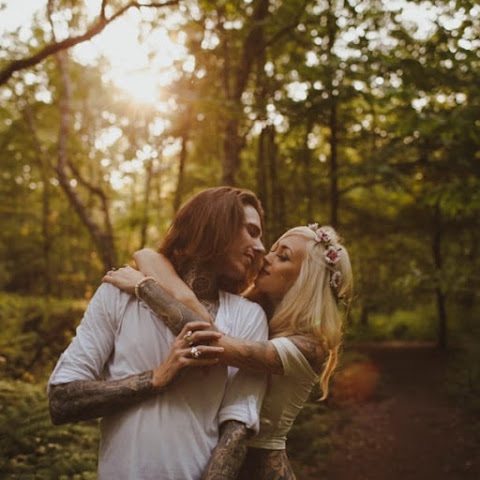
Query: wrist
x=161, y=377
x=140, y=283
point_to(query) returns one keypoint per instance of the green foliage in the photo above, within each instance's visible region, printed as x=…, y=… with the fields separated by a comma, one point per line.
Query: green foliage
x=308, y=442
x=405, y=325
x=34, y=333
x=32, y=448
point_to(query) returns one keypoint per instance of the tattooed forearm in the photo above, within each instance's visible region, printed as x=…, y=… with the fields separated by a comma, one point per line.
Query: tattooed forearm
x=258, y=356
x=228, y=456
x=171, y=311
x=275, y=466
x=85, y=399
x=311, y=349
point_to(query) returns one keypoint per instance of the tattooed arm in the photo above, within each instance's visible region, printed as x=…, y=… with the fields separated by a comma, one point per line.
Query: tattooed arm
x=241, y=353
x=154, y=264
x=312, y=349
x=171, y=311
x=238, y=352
x=88, y=399
x=229, y=454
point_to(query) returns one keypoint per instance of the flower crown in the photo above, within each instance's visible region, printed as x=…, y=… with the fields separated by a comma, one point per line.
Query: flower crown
x=330, y=254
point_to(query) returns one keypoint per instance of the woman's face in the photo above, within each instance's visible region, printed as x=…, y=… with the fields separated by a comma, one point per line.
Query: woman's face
x=281, y=267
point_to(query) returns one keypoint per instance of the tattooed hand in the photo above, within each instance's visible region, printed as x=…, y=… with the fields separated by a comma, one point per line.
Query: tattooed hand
x=88, y=399
x=181, y=353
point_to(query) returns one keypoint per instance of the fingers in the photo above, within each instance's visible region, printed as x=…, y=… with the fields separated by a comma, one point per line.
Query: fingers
x=205, y=362
x=195, y=333
x=196, y=356
x=202, y=337
x=202, y=356
x=202, y=351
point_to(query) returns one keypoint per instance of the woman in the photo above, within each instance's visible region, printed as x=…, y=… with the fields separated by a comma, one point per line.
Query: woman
x=304, y=276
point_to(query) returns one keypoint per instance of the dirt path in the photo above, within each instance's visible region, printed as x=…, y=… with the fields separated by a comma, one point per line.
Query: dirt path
x=408, y=429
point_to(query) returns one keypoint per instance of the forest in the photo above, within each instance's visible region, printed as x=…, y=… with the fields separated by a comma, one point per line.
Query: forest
x=360, y=114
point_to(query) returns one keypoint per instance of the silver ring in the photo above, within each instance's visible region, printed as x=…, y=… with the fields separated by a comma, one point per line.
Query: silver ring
x=188, y=337
x=195, y=352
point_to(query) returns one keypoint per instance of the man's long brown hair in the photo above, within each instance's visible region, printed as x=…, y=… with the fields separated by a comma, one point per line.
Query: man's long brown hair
x=205, y=227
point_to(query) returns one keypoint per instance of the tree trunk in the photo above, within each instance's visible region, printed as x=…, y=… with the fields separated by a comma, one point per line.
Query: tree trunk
x=262, y=173
x=364, y=313
x=146, y=203
x=276, y=202
x=177, y=201
x=44, y=168
x=235, y=82
x=334, y=193
x=102, y=234
x=307, y=174
x=438, y=265
x=231, y=151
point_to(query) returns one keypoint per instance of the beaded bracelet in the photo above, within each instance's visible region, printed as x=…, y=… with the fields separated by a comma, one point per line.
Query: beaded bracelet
x=140, y=283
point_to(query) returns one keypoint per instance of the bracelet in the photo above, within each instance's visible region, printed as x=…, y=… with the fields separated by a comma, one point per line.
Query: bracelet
x=140, y=283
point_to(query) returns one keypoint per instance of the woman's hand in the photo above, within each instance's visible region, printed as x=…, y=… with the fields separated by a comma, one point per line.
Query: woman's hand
x=124, y=278
x=186, y=351
x=154, y=264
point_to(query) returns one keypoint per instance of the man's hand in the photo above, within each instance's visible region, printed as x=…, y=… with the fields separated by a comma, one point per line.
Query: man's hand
x=190, y=349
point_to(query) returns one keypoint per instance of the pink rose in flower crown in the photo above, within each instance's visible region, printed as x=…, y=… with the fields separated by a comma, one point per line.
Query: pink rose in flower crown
x=323, y=236
x=336, y=279
x=331, y=255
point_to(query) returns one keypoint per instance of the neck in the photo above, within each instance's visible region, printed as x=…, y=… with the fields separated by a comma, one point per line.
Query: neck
x=255, y=295
x=202, y=281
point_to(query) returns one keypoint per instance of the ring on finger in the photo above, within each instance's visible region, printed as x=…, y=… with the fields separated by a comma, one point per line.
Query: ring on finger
x=195, y=352
x=188, y=337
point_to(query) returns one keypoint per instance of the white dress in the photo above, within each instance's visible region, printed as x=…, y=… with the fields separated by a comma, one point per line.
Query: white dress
x=285, y=397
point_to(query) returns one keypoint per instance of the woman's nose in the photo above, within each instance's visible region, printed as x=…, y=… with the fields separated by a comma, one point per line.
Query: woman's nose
x=258, y=246
x=268, y=258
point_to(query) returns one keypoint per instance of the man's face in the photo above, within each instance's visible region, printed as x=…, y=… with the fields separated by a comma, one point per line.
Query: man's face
x=246, y=248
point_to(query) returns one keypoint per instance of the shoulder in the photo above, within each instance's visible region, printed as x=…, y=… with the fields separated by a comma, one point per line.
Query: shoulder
x=241, y=303
x=109, y=299
x=245, y=318
x=311, y=348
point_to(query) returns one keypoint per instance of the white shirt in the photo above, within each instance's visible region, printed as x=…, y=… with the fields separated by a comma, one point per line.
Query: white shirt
x=171, y=436
x=286, y=395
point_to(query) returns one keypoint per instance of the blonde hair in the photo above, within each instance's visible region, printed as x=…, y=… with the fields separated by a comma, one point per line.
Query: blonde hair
x=310, y=307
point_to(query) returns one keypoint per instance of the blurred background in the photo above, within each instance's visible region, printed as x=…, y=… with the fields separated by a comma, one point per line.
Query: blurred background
x=364, y=115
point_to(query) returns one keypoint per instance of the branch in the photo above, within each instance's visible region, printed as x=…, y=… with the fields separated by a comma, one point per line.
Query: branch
x=69, y=42
x=83, y=181
x=283, y=31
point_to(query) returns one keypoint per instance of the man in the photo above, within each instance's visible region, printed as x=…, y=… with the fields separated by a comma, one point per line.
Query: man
x=121, y=363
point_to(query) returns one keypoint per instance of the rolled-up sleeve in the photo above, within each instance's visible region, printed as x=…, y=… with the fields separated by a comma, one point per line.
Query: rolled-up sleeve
x=246, y=389
x=90, y=349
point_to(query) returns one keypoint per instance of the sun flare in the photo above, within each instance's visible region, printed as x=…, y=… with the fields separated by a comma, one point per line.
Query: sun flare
x=139, y=68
